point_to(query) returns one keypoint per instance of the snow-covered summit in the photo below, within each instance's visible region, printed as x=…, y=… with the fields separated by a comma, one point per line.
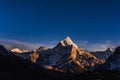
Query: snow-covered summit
x=68, y=42
x=17, y=50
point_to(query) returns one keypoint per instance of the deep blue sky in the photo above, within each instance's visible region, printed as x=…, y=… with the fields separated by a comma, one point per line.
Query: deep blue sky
x=47, y=20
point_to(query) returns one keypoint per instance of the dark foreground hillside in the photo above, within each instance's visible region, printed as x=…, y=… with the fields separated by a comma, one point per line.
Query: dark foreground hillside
x=16, y=68
x=98, y=75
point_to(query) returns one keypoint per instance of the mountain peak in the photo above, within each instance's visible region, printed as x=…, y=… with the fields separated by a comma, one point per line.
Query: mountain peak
x=68, y=38
x=68, y=42
x=67, y=56
x=109, y=50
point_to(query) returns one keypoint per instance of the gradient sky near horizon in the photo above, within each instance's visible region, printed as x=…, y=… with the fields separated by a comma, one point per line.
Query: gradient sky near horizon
x=49, y=20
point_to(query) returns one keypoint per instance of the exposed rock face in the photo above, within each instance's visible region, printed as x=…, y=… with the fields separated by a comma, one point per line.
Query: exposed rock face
x=113, y=62
x=68, y=57
x=34, y=56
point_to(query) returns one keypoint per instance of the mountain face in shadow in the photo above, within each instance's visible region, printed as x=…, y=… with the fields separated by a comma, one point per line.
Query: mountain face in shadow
x=15, y=68
x=113, y=62
x=3, y=51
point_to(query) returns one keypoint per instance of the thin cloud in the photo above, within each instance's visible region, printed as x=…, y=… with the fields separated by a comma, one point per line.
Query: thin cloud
x=10, y=44
x=99, y=46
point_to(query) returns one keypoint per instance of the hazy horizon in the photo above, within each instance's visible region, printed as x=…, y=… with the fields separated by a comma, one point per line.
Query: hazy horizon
x=98, y=46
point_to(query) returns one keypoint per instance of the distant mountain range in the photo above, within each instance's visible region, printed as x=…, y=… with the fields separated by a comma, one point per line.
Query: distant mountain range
x=65, y=58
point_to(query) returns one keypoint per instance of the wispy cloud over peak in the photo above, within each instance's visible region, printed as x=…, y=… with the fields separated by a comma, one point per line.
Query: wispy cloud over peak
x=98, y=46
